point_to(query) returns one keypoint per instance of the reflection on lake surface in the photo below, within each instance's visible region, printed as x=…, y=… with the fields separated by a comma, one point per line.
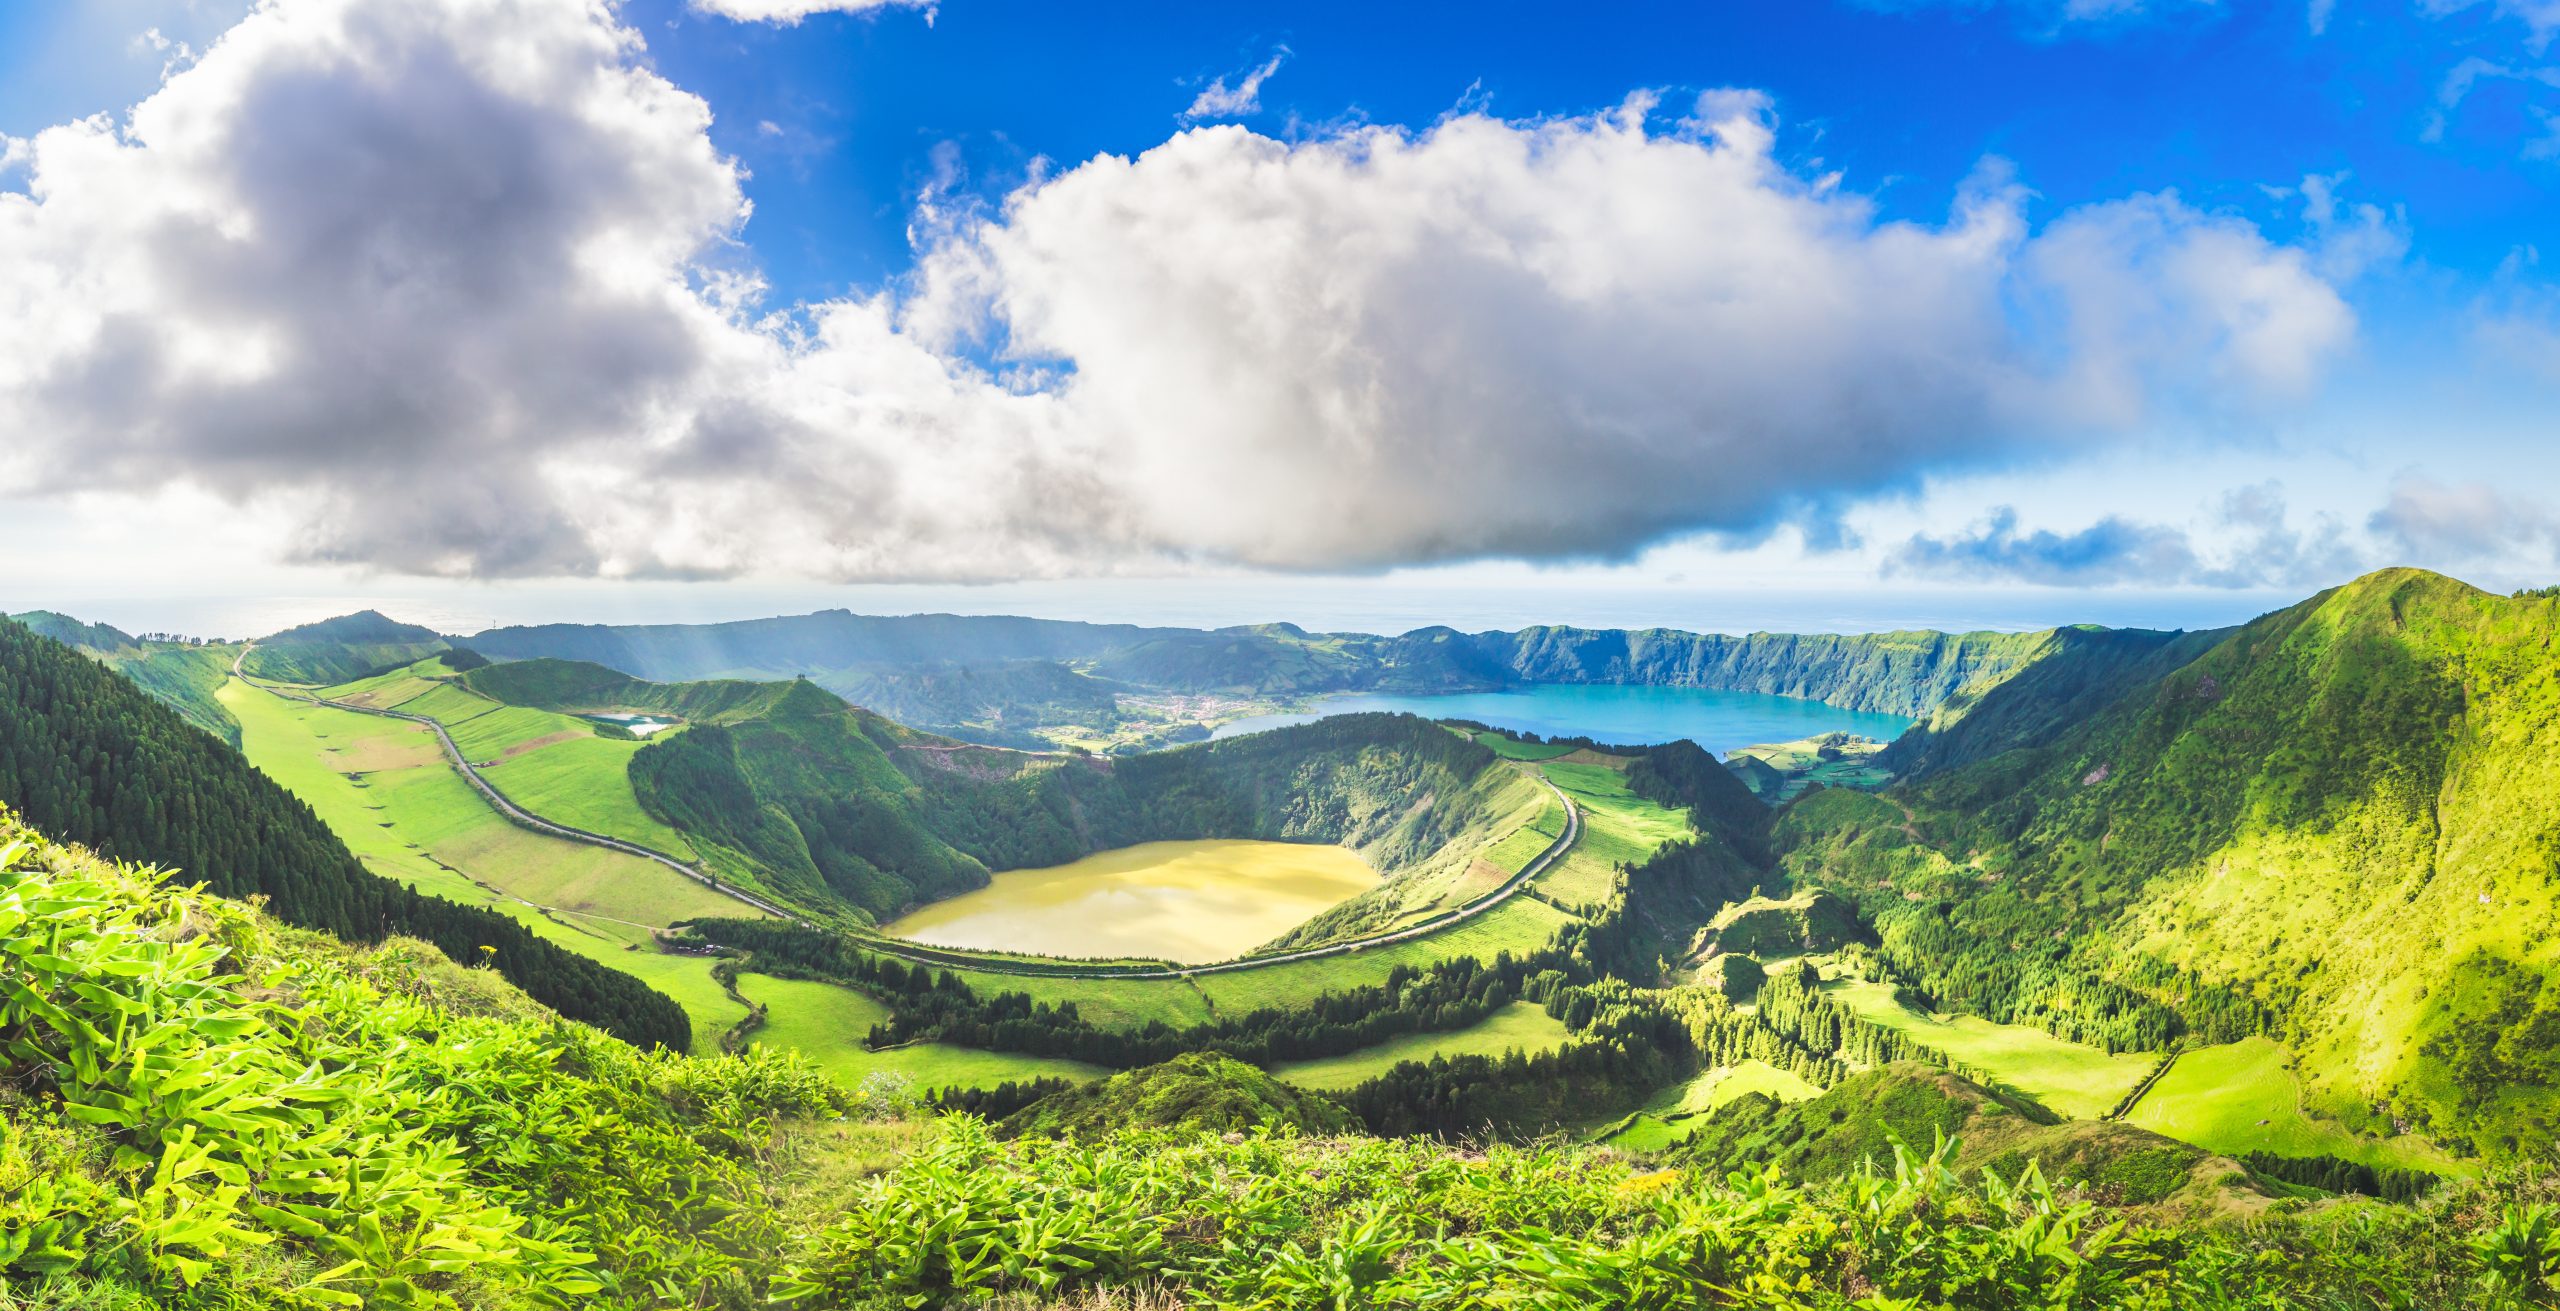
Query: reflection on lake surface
x=1190, y=902
x=1718, y=721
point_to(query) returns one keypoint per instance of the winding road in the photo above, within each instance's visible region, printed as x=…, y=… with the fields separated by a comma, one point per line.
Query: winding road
x=892, y=947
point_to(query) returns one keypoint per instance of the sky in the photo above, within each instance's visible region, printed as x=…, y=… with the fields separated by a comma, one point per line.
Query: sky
x=1841, y=316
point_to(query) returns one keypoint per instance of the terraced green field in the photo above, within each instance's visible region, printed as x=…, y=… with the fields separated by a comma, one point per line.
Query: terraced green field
x=1522, y=1026
x=2240, y=1097
x=385, y=789
x=827, y=1024
x=551, y=764
x=2081, y=1082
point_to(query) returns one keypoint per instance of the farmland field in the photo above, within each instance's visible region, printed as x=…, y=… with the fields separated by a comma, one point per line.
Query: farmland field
x=1618, y=828
x=1520, y=926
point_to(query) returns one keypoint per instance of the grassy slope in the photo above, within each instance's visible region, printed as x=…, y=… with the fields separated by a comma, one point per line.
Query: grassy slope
x=827, y=1024
x=2077, y=1081
x=551, y=764
x=409, y=817
x=2343, y=812
x=1523, y=1026
x=1677, y=1111
x=1618, y=828
x=2239, y=1097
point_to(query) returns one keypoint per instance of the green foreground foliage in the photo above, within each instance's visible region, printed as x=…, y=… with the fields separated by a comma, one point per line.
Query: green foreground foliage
x=200, y=1108
x=88, y=757
x=1264, y=1221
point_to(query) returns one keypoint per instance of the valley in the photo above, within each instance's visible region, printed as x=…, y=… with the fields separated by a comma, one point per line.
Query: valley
x=1445, y=928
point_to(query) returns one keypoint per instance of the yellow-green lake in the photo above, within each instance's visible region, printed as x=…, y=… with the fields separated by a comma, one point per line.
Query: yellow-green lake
x=1190, y=902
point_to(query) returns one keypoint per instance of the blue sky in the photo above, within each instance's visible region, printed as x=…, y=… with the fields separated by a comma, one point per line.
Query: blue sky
x=2272, y=304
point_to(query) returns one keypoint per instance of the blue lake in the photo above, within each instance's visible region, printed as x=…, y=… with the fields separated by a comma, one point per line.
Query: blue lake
x=1718, y=721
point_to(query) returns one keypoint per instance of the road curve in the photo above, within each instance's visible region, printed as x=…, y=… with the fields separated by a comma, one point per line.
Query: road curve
x=892, y=947
x=509, y=808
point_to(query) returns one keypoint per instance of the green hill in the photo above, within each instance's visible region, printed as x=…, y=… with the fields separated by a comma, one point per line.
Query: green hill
x=90, y=758
x=1203, y=1091
x=1858, y=1125
x=341, y=650
x=183, y=674
x=577, y=687
x=2334, y=826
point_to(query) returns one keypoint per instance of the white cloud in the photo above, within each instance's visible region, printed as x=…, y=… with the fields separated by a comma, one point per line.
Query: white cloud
x=450, y=287
x=2247, y=541
x=2464, y=522
x=2541, y=18
x=1218, y=100
x=789, y=12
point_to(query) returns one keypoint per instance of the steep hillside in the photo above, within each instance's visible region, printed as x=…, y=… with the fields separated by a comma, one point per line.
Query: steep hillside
x=205, y=1109
x=88, y=757
x=831, y=803
x=1898, y=673
x=183, y=674
x=2334, y=826
x=577, y=687
x=2073, y=675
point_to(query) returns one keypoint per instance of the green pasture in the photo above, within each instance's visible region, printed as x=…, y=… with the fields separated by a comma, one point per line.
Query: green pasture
x=585, y=783
x=1520, y=926
x=1618, y=828
x=424, y=826
x=1109, y=1003
x=1511, y=748
x=2241, y=1097
x=1674, y=1113
x=2081, y=1082
x=827, y=1024
x=1521, y=1026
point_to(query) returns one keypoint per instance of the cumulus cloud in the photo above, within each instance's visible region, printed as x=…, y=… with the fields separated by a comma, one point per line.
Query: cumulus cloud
x=2462, y=522
x=788, y=12
x=2112, y=550
x=2254, y=545
x=1219, y=100
x=455, y=287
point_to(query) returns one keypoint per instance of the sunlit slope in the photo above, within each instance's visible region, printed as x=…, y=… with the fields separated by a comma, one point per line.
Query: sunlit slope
x=385, y=788
x=2334, y=827
x=552, y=764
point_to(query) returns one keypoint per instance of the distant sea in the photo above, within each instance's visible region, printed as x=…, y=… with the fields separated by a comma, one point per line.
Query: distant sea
x=1717, y=721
